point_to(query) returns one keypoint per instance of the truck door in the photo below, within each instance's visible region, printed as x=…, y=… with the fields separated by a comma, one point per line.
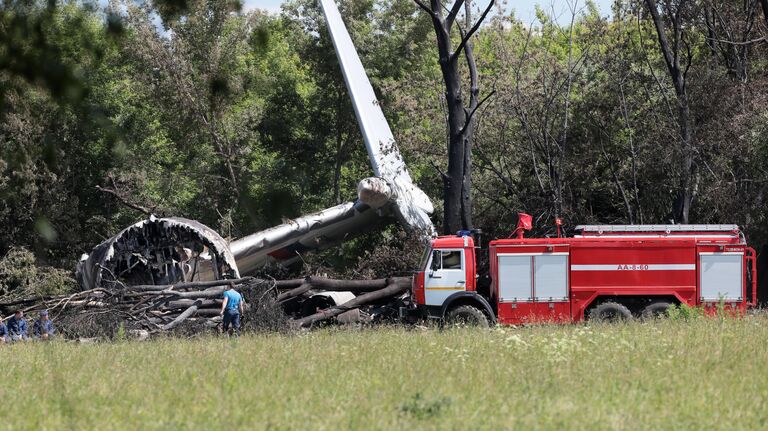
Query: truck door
x=445, y=276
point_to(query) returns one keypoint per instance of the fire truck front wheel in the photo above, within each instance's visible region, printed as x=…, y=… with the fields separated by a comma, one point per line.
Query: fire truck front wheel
x=467, y=315
x=610, y=312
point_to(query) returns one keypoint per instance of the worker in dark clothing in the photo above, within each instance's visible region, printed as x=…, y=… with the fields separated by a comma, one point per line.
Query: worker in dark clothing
x=17, y=327
x=3, y=331
x=43, y=327
x=232, y=309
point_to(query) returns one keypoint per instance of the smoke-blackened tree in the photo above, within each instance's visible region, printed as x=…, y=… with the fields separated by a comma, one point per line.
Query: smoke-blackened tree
x=676, y=47
x=461, y=113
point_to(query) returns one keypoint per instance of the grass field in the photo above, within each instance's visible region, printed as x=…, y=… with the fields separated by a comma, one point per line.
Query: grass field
x=701, y=374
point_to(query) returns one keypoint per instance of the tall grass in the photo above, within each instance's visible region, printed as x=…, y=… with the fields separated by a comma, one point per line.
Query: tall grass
x=699, y=374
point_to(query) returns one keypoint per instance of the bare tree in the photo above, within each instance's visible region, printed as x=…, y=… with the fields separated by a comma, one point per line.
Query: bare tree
x=730, y=33
x=457, y=180
x=677, y=53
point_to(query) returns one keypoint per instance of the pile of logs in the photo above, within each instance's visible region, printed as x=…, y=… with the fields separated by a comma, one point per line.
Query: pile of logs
x=163, y=308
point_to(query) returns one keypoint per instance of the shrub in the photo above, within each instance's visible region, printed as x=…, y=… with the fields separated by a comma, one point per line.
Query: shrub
x=684, y=312
x=21, y=276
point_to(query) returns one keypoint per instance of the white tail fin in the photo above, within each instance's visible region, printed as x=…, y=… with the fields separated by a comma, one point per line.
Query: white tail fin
x=411, y=203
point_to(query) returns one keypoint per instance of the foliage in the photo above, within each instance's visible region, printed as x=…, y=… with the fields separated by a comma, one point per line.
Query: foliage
x=424, y=409
x=241, y=119
x=21, y=277
x=686, y=312
x=639, y=375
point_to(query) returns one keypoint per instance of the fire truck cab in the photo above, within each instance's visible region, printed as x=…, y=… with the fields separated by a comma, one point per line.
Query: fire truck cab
x=602, y=272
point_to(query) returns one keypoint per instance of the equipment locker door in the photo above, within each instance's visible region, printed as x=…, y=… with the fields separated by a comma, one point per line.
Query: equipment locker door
x=446, y=275
x=550, y=287
x=721, y=276
x=533, y=285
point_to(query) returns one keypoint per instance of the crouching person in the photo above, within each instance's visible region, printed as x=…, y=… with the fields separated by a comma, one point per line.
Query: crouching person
x=17, y=327
x=3, y=331
x=43, y=327
x=232, y=310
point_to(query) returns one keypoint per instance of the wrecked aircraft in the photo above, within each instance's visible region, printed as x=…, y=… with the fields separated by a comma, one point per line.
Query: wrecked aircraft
x=171, y=250
x=158, y=251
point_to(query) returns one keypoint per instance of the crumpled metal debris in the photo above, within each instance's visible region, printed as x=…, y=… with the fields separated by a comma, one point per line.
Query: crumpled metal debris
x=158, y=251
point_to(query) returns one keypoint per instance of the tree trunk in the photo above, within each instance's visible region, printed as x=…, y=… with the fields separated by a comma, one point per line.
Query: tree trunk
x=457, y=180
x=681, y=205
x=684, y=199
x=454, y=180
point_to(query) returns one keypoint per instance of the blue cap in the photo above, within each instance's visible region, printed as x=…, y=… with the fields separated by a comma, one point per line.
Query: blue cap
x=463, y=233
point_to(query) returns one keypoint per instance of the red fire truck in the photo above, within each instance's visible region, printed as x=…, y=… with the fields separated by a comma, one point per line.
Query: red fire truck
x=602, y=272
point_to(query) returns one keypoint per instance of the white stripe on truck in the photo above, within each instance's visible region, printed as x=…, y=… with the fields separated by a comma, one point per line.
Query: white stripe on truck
x=636, y=267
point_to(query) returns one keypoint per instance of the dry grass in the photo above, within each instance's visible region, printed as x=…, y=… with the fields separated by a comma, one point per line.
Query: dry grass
x=702, y=374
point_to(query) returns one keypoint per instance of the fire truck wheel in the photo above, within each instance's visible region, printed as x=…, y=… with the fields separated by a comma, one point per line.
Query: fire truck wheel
x=610, y=312
x=467, y=315
x=656, y=310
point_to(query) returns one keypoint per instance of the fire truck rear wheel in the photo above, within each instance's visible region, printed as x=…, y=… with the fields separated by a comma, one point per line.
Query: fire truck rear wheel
x=467, y=315
x=656, y=310
x=610, y=312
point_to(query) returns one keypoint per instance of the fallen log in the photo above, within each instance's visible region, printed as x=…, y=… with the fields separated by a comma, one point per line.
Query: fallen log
x=182, y=317
x=208, y=312
x=396, y=287
x=293, y=293
x=214, y=292
x=280, y=284
x=190, y=284
x=184, y=303
x=333, y=285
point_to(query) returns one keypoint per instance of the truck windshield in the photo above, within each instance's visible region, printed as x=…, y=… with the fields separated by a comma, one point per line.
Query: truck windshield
x=425, y=258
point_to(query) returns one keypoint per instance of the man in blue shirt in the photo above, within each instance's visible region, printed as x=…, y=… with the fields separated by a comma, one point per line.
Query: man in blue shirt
x=43, y=327
x=232, y=309
x=17, y=326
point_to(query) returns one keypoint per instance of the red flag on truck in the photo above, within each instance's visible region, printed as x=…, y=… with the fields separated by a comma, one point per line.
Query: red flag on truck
x=524, y=221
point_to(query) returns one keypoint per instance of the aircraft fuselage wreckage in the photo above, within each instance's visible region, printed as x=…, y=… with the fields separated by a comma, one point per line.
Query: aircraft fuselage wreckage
x=170, y=250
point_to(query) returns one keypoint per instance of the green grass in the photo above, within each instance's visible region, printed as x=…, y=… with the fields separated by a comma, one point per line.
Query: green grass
x=702, y=374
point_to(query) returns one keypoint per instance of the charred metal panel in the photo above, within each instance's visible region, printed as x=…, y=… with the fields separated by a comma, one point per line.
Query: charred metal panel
x=158, y=251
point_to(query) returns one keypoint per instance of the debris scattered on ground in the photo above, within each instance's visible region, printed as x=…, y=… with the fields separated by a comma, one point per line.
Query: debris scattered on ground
x=190, y=308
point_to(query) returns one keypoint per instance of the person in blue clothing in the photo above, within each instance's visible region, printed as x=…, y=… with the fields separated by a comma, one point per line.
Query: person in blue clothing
x=232, y=309
x=17, y=327
x=43, y=326
x=3, y=331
